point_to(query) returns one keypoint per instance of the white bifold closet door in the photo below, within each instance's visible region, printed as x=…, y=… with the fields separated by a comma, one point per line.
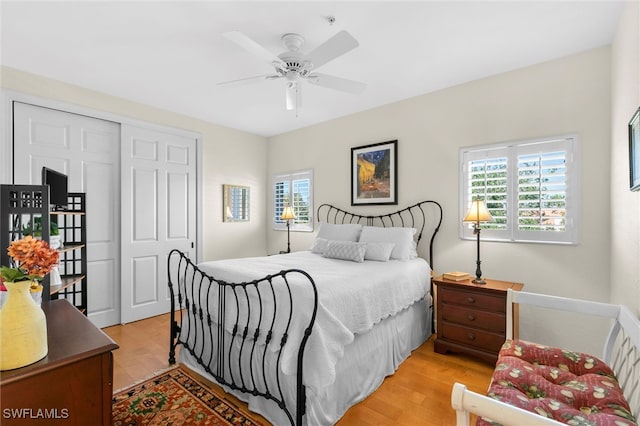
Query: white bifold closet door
x=141, y=201
x=158, y=215
x=87, y=150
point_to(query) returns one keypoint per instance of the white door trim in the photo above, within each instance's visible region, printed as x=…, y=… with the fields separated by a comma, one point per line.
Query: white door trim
x=8, y=96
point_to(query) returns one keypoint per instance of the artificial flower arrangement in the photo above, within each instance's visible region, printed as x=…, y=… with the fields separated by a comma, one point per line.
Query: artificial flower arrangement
x=33, y=259
x=23, y=324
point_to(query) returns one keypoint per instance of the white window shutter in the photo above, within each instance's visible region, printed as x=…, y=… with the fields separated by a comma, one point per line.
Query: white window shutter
x=529, y=187
x=294, y=189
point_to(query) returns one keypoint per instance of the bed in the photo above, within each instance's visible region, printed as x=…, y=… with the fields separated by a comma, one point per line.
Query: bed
x=301, y=337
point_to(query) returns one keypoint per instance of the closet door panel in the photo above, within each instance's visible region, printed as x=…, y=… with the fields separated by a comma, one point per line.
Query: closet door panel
x=87, y=150
x=158, y=214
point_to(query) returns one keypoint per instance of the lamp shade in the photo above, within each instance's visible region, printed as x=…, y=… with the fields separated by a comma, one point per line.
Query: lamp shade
x=478, y=212
x=287, y=213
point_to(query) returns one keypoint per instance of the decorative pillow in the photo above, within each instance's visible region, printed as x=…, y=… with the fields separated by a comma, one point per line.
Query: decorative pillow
x=319, y=245
x=339, y=232
x=379, y=251
x=405, y=246
x=346, y=250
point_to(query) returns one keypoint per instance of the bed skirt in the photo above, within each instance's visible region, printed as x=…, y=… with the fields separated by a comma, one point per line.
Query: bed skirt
x=370, y=358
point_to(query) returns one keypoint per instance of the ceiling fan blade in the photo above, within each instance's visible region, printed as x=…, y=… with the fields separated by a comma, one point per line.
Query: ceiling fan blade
x=252, y=46
x=293, y=96
x=337, y=45
x=337, y=83
x=248, y=80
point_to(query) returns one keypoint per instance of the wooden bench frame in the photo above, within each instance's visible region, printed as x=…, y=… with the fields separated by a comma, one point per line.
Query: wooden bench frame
x=621, y=352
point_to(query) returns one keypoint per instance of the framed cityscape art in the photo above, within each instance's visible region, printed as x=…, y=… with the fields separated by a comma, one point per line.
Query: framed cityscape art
x=634, y=151
x=374, y=174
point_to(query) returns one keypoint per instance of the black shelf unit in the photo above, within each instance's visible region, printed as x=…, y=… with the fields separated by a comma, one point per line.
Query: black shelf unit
x=20, y=205
x=72, y=225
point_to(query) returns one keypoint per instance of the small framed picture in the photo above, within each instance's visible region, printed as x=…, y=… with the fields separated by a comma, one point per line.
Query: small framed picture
x=374, y=174
x=634, y=151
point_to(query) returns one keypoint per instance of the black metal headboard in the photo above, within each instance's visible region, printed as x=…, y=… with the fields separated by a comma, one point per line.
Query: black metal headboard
x=423, y=214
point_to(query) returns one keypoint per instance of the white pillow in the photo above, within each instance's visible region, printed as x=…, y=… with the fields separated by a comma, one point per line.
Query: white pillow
x=346, y=250
x=405, y=246
x=319, y=245
x=380, y=252
x=339, y=232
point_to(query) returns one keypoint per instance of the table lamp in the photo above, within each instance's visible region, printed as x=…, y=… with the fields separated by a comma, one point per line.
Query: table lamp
x=478, y=213
x=288, y=215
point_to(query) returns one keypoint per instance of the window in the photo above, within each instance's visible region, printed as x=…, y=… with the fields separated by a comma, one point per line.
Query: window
x=530, y=188
x=295, y=189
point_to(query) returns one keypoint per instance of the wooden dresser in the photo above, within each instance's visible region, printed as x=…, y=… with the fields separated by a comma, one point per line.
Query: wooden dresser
x=72, y=385
x=472, y=317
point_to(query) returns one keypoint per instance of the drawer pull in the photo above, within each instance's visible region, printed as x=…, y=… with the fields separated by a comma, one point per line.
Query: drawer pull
x=471, y=336
x=471, y=300
x=471, y=317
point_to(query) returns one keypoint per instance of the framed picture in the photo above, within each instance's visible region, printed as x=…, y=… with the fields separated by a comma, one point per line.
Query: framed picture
x=374, y=174
x=235, y=203
x=634, y=151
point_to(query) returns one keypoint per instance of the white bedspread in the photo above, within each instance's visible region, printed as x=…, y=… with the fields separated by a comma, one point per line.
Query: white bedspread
x=352, y=297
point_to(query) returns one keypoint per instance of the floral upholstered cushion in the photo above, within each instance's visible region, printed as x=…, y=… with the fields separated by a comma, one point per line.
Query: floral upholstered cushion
x=569, y=387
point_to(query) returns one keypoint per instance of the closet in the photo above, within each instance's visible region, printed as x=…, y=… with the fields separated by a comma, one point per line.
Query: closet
x=140, y=185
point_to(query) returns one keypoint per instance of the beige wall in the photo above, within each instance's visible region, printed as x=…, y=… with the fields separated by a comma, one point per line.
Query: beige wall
x=570, y=95
x=625, y=205
x=229, y=156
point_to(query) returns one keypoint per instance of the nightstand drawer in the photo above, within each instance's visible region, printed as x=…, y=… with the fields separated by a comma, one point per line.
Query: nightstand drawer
x=469, y=336
x=472, y=299
x=474, y=318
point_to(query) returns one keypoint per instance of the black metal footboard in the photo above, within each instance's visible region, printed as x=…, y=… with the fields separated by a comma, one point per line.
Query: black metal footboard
x=238, y=332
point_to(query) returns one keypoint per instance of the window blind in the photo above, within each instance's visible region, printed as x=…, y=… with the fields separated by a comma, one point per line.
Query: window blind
x=294, y=189
x=529, y=188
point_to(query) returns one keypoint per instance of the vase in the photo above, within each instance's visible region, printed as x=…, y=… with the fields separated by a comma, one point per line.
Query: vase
x=36, y=294
x=55, y=242
x=23, y=328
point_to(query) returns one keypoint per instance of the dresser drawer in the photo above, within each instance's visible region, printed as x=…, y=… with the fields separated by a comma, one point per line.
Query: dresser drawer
x=472, y=299
x=477, y=338
x=474, y=318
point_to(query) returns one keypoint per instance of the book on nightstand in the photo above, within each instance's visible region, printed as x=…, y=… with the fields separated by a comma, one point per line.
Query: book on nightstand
x=456, y=276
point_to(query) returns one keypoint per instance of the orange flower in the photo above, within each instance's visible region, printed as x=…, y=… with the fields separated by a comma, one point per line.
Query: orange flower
x=33, y=257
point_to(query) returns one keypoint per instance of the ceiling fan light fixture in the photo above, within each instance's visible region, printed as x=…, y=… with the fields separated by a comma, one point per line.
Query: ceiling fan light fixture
x=292, y=76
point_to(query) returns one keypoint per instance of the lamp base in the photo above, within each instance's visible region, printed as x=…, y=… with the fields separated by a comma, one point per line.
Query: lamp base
x=479, y=281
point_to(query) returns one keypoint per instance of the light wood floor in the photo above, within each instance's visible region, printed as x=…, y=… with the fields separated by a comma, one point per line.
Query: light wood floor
x=417, y=394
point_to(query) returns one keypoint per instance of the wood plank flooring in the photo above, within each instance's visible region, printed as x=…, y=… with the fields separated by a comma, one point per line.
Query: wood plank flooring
x=417, y=394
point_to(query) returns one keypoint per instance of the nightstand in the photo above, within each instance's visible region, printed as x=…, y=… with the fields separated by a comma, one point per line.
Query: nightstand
x=472, y=317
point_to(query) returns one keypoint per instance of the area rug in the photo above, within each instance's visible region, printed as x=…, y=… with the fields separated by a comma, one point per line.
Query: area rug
x=175, y=398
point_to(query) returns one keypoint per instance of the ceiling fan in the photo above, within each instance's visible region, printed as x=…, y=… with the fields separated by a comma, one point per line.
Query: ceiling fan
x=295, y=67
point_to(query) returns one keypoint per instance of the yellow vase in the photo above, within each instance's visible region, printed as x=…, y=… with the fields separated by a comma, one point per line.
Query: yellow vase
x=23, y=328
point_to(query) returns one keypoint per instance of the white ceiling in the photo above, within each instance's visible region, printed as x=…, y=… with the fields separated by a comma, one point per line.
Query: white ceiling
x=171, y=54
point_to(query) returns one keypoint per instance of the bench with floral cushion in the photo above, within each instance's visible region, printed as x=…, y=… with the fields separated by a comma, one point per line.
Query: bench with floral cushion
x=536, y=384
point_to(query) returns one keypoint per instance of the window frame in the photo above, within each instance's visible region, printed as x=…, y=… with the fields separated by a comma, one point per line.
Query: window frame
x=512, y=150
x=276, y=222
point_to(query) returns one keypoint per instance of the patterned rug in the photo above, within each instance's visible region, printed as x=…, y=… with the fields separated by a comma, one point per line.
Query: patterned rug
x=175, y=398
